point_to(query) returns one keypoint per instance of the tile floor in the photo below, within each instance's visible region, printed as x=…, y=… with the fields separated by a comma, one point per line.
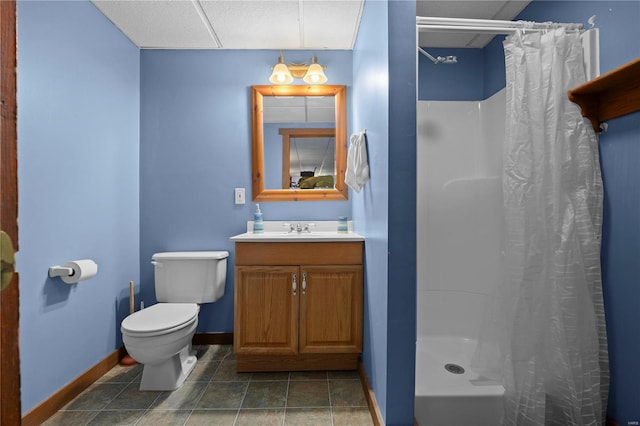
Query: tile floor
x=214, y=394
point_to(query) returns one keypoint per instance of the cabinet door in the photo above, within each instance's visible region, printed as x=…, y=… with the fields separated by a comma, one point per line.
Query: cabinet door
x=266, y=310
x=331, y=309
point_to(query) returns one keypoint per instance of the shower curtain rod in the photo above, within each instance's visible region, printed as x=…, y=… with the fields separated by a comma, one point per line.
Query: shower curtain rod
x=490, y=26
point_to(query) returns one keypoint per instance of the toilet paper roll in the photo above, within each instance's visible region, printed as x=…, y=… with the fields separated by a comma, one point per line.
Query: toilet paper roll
x=83, y=269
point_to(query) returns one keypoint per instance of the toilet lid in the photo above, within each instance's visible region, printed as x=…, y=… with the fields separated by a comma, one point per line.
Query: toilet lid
x=159, y=317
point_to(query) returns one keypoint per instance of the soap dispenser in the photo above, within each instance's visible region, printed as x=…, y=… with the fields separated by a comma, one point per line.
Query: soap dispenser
x=258, y=225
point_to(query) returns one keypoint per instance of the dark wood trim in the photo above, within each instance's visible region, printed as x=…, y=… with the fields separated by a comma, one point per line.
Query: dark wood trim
x=8, y=122
x=55, y=402
x=10, y=408
x=611, y=95
x=299, y=362
x=376, y=416
x=212, y=339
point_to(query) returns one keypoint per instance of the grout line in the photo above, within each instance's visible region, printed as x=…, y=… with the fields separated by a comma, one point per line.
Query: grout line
x=115, y=396
x=143, y=414
x=204, y=389
x=286, y=399
x=90, y=419
x=242, y=401
x=330, y=402
x=188, y=417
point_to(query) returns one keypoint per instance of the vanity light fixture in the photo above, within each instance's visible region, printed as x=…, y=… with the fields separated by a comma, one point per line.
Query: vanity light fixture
x=311, y=74
x=281, y=73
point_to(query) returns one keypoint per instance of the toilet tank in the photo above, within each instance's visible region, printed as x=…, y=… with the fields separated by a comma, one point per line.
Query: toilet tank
x=190, y=276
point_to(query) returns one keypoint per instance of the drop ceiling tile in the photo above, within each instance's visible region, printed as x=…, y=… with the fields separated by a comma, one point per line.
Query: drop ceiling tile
x=321, y=101
x=254, y=24
x=512, y=9
x=451, y=40
x=283, y=101
x=278, y=24
x=480, y=40
x=284, y=115
x=476, y=9
x=330, y=24
x=159, y=23
x=321, y=115
x=454, y=40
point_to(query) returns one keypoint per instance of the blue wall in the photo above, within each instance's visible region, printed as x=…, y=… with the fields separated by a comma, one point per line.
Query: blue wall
x=370, y=100
x=619, y=151
x=195, y=148
x=386, y=107
x=617, y=21
x=402, y=281
x=464, y=80
x=78, y=130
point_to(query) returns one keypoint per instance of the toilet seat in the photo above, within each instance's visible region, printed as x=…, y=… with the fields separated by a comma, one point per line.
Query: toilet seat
x=161, y=318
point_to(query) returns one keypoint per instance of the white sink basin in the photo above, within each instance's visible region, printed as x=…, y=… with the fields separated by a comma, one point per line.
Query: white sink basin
x=274, y=231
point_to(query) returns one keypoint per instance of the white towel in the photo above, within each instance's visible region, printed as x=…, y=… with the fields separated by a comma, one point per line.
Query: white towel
x=357, y=173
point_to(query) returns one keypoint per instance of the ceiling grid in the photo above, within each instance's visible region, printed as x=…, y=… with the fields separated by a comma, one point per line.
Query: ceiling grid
x=280, y=24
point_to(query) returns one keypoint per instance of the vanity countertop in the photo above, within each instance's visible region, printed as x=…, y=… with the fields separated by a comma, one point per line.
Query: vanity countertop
x=277, y=231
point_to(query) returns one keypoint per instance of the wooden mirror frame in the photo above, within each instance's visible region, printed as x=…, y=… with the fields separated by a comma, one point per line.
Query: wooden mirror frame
x=259, y=193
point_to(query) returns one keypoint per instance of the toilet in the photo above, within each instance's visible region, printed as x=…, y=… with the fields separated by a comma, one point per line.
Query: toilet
x=159, y=337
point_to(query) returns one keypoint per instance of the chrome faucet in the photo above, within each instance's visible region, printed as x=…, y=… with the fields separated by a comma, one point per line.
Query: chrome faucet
x=299, y=227
x=289, y=226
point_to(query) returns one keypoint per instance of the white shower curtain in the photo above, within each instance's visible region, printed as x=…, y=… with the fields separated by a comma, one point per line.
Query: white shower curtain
x=545, y=334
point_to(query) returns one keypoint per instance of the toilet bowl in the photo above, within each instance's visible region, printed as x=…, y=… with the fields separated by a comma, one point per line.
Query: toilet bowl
x=159, y=337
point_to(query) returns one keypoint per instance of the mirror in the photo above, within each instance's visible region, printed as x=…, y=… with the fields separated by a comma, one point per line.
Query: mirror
x=308, y=157
x=299, y=140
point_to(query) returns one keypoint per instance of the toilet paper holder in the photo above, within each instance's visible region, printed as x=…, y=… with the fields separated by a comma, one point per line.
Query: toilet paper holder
x=60, y=271
x=74, y=271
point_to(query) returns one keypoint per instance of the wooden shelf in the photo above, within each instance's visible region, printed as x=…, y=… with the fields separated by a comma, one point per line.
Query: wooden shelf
x=611, y=95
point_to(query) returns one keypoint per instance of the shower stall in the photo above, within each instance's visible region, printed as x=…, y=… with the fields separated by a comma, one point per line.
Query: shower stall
x=459, y=200
x=460, y=241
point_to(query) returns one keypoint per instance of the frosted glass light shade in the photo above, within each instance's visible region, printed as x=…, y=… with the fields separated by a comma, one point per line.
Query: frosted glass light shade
x=315, y=74
x=281, y=74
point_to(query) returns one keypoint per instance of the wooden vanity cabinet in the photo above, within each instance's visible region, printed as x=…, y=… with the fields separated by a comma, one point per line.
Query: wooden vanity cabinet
x=266, y=310
x=298, y=305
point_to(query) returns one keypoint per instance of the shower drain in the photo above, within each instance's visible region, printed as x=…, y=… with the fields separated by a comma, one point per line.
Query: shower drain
x=454, y=368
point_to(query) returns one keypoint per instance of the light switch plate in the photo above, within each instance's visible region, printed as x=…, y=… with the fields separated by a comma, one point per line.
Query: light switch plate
x=239, y=196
